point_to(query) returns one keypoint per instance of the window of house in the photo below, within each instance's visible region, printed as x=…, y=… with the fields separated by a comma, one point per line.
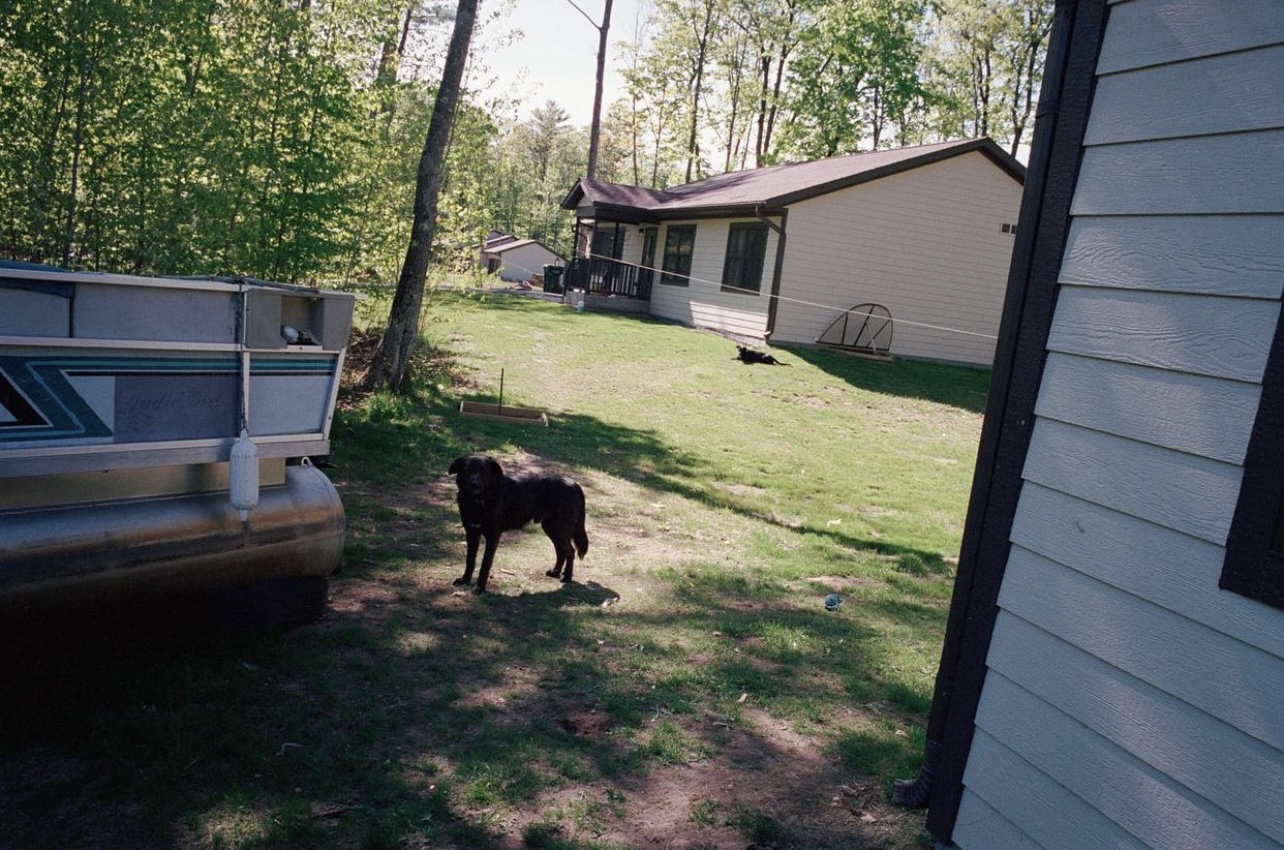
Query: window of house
x=746, y=249
x=1254, y=564
x=679, y=243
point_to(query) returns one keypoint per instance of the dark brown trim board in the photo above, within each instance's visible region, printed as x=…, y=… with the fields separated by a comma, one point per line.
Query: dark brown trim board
x=1254, y=565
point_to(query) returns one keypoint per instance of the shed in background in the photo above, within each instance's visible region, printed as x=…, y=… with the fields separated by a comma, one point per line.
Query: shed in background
x=516, y=260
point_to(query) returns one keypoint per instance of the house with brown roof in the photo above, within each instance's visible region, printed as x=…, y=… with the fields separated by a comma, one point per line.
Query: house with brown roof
x=515, y=259
x=891, y=252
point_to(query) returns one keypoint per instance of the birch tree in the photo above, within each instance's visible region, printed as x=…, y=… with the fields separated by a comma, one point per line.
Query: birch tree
x=990, y=56
x=771, y=27
x=390, y=367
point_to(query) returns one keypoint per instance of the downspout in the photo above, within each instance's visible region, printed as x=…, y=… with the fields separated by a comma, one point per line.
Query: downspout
x=778, y=269
x=978, y=572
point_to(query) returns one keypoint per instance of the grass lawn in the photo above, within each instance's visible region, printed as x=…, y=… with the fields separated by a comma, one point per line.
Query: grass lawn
x=689, y=690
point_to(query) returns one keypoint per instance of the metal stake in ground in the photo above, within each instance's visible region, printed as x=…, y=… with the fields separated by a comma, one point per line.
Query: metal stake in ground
x=501, y=392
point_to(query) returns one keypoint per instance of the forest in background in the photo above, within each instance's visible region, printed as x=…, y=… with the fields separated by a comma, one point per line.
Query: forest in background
x=280, y=138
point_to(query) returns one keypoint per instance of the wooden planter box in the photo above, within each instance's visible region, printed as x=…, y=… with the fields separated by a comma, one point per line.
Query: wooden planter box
x=503, y=413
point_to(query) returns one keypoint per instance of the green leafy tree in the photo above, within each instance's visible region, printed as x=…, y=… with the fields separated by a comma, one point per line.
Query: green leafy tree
x=988, y=60
x=854, y=78
x=689, y=32
x=389, y=369
x=287, y=104
x=283, y=139
x=544, y=134
x=1025, y=49
x=653, y=112
x=730, y=117
x=770, y=27
x=467, y=200
x=70, y=82
x=181, y=137
x=536, y=162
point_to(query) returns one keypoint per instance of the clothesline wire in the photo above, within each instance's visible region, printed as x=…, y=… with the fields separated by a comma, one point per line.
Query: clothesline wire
x=799, y=301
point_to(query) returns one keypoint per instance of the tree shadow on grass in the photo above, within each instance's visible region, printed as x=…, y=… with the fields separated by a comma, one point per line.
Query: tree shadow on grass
x=437, y=718
x=963, y=387
x=394, y=453
x=413, y=715
x=424, y=716
x=645, y=459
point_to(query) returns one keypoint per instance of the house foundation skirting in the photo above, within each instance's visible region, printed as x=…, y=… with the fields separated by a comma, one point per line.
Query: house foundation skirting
x=606, y=303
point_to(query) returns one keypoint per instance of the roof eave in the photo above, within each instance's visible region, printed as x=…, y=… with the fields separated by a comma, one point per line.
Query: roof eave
x=1008, y=163
x=618, y=212
x=573, y=197
x=747, y=209
x=576, y=198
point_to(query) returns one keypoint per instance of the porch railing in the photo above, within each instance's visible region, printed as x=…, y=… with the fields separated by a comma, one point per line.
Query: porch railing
x=601, y=276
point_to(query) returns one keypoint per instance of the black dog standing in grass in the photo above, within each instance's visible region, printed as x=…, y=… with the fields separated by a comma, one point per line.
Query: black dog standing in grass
x=491, y=503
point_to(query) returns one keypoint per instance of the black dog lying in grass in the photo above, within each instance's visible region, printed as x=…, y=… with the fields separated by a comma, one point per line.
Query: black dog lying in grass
x=749, y=355
x=491, y=503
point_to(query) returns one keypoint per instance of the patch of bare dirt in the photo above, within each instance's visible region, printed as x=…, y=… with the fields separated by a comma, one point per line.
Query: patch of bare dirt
x=748, y=782
x=767, y=786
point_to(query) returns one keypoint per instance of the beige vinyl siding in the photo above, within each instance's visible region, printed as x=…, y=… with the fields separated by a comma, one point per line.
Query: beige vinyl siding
x=702, y=303
x=927, y=244
x=525, y=262
x=1129, y=702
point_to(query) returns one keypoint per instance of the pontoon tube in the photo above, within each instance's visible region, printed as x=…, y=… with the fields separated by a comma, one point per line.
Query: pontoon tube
x=143, y=549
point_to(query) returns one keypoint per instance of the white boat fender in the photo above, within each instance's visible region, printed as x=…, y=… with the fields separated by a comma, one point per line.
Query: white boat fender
x=245, y=475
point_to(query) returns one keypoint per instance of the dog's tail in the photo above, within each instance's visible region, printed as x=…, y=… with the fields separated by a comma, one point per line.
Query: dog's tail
x=580, y=536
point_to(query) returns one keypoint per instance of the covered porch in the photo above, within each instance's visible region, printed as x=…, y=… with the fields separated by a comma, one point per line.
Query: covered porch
x=615, y=241
x=601, y=276
x=614, y=259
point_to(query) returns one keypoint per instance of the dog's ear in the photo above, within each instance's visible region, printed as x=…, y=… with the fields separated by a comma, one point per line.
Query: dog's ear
x=494, y=467
x=455, y=465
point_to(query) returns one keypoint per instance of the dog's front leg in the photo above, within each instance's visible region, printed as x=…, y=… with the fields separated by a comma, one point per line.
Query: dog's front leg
x=472, y=536
x=488, y=555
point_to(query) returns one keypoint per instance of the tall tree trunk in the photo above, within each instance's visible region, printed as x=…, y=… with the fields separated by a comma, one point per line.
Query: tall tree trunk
x=1027, y=65
x=697, y=89
x=595, y=130
x=391, y=54
x=760, y=146
x=1023, y=103
x=635, y=134
x=391, y=364
x=776, y=87
x=735, y=77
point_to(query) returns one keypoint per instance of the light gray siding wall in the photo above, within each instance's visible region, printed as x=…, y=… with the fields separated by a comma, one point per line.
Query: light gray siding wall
x=703, y=303
x=927, y=244
x=1129, y=702
x=525, y=262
